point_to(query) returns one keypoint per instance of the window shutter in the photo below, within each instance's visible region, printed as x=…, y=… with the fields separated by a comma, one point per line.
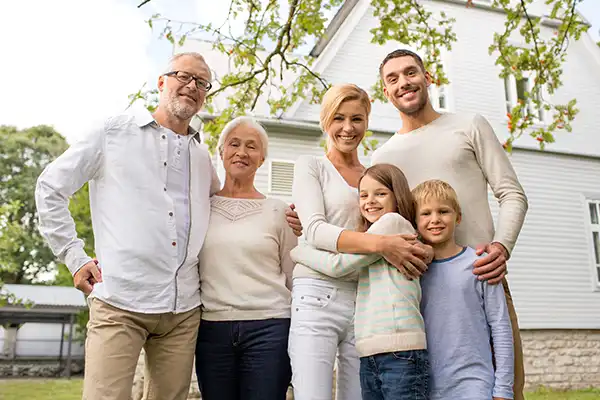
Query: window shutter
x=282, y=176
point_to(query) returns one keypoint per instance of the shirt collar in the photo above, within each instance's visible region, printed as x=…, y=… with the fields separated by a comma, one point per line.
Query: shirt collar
x=143, y=118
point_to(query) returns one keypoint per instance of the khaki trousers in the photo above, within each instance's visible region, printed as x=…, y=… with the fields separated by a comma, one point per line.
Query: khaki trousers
x=519, y=383
x=114, y=341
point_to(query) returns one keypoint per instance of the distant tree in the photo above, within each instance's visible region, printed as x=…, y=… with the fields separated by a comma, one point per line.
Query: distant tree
x=275, y=30
x=25, y=257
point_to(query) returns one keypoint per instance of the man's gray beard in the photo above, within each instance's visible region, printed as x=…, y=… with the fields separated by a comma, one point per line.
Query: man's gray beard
x=180, y=111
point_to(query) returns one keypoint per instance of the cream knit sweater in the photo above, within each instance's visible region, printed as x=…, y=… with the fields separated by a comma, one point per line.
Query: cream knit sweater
x=245, y=264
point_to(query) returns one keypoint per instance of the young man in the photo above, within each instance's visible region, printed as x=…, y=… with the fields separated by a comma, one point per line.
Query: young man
x=463, y=151
x=460, y=312
x=150, y=180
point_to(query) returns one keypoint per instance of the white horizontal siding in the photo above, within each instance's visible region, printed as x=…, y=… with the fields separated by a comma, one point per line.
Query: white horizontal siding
x=551, y=273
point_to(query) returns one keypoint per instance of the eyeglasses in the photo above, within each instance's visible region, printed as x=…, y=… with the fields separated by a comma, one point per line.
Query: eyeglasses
x=185, y=78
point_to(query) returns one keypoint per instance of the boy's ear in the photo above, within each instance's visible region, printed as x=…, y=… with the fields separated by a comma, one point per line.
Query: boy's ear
x=458, y=218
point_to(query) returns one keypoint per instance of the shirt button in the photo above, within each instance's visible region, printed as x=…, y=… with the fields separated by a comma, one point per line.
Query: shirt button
x=165, y=163
x=174, y=244
x=164, y=137
x=170, y=214
x=165, y=189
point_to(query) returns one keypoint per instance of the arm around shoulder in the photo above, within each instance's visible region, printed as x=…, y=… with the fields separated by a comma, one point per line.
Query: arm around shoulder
x=287, y=241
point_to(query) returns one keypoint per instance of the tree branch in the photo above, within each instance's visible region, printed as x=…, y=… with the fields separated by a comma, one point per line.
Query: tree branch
x=310, y=71
x=533, y=34
x=234, y=84
x=571, y=19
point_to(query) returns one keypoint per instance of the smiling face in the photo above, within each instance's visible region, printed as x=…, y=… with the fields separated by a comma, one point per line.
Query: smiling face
x=242, y=152
x=436, y=221
x=376, y=199
x=348, y=126
x=405, y=84
x=182, y=101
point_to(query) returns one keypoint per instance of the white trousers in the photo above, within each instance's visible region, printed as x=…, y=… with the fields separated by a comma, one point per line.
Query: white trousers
x=321, y=333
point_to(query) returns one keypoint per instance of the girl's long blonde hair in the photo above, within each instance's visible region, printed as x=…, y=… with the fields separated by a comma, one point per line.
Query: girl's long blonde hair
x=392, y=178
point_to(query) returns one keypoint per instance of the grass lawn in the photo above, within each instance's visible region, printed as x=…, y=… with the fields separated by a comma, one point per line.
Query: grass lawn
x=62, y=389
x=40, y=389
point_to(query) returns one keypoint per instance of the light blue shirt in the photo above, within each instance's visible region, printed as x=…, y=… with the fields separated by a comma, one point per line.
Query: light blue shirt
x=462, y=315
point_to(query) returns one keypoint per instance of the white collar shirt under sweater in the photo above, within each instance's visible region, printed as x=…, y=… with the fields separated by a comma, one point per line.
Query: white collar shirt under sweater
x=126, y=163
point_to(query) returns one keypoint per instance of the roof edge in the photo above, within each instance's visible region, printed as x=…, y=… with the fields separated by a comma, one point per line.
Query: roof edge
x=335, y=24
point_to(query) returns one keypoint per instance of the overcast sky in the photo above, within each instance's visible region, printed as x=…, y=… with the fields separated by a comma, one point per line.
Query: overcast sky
x=69, y=63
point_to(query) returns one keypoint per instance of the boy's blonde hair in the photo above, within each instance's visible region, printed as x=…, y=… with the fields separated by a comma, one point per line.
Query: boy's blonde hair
x=438, y=190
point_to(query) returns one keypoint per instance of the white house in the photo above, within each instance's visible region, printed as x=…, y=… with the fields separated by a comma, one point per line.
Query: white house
x=554, y=273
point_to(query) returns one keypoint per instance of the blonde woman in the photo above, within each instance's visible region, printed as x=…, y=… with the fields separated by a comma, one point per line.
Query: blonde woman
x=326, y=197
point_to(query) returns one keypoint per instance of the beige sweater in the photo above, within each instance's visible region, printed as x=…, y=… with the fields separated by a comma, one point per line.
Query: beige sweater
x=463, y=151
x=245, y=264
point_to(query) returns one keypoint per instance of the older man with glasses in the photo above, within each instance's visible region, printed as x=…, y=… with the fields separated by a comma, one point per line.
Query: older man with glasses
x=150, y=182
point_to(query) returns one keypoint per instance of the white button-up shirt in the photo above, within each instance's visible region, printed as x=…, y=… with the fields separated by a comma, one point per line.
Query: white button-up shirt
x=177, y=186
x=126, y=162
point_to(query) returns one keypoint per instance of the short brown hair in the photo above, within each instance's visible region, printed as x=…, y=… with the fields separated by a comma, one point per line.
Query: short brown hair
x=437, y=190
x=336, y=95
x=401, y=53
x=392, y=178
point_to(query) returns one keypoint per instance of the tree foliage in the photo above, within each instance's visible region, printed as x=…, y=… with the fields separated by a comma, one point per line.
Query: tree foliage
x=24, y=256
x=274, y=31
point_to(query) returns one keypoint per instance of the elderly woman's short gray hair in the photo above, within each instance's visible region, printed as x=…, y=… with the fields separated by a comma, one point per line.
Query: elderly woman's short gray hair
x=250, y=123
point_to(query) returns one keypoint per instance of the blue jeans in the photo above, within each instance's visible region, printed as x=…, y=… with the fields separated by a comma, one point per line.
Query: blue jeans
x=402, y=375
x=246, y=360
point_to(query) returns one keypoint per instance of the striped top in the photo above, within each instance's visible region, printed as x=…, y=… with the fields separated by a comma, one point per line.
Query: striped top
x=388, y=317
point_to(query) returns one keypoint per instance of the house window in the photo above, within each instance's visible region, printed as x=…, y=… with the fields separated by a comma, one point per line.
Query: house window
x=281, y=177
x=439, y=97
x=594, y=218
x=515, y=90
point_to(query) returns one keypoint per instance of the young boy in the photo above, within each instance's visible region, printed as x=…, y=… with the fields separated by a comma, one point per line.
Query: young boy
x=463, y=316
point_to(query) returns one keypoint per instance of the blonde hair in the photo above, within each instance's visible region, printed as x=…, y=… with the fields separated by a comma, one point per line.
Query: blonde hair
x=437, y=190
x=392, y=178
x=335, y=96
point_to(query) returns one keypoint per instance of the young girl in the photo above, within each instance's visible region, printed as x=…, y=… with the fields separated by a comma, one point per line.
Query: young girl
x=390, y=335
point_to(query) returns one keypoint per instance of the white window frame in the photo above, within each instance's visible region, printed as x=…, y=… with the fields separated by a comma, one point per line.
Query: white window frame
x=270, y=183
x=593, y=230
x=511, y=98
x=435, y=93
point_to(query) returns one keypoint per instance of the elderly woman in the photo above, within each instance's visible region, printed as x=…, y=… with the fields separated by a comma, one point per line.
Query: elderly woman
x=246, y=271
